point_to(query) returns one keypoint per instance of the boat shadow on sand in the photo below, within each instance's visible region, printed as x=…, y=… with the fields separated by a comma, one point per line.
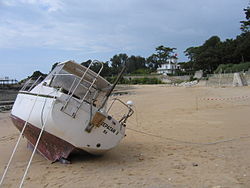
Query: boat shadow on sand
x=125, y=153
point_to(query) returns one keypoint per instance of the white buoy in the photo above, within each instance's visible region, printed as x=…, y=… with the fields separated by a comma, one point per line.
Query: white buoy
x=130, y=103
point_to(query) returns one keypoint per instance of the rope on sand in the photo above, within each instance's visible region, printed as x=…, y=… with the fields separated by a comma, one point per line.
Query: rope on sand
x=182, y=141
x=188, y=142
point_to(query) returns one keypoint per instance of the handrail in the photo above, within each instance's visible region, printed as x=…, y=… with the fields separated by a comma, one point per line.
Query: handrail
x=25, y=84
x=74, y=88
x=125, y=116
x=31, y=87
x=28, y=82
x=79, y=82
x=100, y=70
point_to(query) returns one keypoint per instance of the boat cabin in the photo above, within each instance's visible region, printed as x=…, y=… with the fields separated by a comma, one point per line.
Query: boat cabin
x=79, y=82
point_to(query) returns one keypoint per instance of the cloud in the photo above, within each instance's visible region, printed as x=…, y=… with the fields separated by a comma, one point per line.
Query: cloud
x=49, y=5
x=104, y=26
x=47, y=31
x=8, y=2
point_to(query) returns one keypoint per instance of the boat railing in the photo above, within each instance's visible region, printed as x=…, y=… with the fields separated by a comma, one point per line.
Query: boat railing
x=126, y=115
x=28, y=85
x=25, y=85
x=78, y=83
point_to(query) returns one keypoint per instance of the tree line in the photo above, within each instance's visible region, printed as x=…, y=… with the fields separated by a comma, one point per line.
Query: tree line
x=134, y=64
x=215, y=52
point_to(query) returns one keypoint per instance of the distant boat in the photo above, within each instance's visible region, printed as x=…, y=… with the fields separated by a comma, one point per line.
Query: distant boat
x=68, y=109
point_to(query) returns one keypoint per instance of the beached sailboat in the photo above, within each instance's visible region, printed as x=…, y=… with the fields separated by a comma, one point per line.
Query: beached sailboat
x=68, y=111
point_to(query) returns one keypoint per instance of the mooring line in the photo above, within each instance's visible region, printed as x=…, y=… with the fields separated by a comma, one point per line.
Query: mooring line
x=182, y=141
x=39, y=137
x=188, y=142
x=18, y=140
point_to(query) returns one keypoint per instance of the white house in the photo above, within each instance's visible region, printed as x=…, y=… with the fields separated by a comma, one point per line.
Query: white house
x=170, y=67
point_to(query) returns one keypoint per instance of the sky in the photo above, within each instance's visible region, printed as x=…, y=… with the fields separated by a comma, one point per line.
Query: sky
x=34, y=34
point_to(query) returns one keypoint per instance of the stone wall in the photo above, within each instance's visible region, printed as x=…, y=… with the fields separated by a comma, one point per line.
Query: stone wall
x=247, y=77
x=163, y=78
x=143, y=76
x=220, y=79
x=224, y=79
x=8, y=94
x=174, y=79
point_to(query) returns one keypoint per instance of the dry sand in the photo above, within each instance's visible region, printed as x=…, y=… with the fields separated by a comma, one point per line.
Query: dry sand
x=142, y=160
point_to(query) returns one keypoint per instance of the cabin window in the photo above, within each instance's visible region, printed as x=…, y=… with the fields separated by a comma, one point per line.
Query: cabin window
x=66, y=77
x=67, y=82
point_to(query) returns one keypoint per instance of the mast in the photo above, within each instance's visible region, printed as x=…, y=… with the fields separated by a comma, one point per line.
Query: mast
x=113, y=87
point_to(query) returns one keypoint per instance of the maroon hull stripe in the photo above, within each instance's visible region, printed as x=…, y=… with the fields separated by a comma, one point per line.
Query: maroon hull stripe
x=50, y=146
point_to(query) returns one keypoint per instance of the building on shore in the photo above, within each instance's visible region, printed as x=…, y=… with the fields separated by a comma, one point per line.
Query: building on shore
x=169, y=67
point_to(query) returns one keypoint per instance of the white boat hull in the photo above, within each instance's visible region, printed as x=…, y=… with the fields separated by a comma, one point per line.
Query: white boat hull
x=63, y=133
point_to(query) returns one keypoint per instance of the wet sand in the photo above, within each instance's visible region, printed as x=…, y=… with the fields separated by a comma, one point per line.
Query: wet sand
x=176, y=138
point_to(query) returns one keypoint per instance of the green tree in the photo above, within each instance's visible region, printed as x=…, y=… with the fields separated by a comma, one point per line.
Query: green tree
x=96, y=66
x=227, y=51
x=152, y=62
x=54, y=65
x=117, y=62
x=86, y=63
x=206, y=57
x=37, y=74
x=245, y=25
x=164, y=53
x=135, y=63
x=242, y=52
x=160, y=57
x=188, y=67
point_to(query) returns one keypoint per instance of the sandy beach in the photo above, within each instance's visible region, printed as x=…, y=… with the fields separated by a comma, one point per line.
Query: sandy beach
x=179, y=137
